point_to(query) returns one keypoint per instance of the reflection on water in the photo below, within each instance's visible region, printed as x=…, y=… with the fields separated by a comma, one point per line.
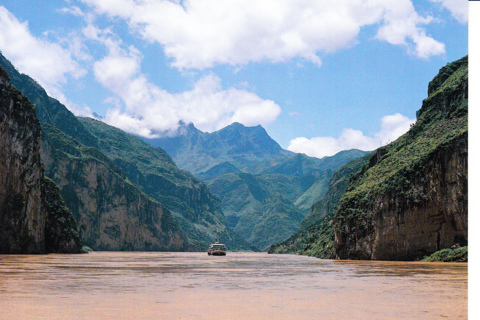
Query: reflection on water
x=139, y=285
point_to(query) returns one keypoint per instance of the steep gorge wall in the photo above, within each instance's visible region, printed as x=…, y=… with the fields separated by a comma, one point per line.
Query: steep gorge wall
x=33, y=217
x=22, y=214
x=411, y=198
x=433, y=216
x=405, y=230
x=111, y=213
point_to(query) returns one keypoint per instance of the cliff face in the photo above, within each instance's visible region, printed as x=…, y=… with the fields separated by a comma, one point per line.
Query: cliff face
x=77, y=152
x=22, y=215
x=111, y=213
x=33, y=218
x=411, y=199
x=407, y=230
x=315, y=237
x=61, y=234
x=196, y=209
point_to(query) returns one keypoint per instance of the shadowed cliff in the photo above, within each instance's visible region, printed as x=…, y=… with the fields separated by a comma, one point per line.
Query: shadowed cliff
x=33, y=218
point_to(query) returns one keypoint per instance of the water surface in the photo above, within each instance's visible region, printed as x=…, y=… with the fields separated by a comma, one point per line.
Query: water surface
x=139, y=285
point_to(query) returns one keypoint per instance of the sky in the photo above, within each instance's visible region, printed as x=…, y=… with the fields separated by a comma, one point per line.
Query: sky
x=320, y=76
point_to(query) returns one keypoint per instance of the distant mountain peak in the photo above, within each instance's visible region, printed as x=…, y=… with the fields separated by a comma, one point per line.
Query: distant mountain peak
x=236, y=143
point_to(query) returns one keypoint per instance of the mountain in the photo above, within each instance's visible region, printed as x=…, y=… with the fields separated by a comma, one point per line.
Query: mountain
x=410, y=198
x=33, y=218
x=315, y=236
x=111, y=212
x=244, y=166
x=49, y=110
x=235, y=144
x=256, y=209
x=100, y=187
x=192, y=204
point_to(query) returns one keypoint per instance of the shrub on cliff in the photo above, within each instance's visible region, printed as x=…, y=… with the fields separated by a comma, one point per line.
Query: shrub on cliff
x=61, y=234
x=449, y=255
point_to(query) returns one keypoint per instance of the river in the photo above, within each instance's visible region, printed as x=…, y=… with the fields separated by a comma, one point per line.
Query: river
x=143, y=285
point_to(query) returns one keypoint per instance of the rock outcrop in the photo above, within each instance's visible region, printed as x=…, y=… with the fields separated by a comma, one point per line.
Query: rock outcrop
x=411, y=199
x=61, y=234
x=22, y=214
x=32, y=219
x=111, y=213
x=86, y=164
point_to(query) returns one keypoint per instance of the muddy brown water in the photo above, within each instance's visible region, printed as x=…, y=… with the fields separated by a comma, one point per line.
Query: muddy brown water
x=139, y=285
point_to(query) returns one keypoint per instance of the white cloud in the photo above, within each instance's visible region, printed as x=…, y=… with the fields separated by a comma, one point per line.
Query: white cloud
x=392, y=127
x=46, y=62
x=401, y=27
x=150, y=109
x=458, y=8
x=74, y=10
x=204, y=33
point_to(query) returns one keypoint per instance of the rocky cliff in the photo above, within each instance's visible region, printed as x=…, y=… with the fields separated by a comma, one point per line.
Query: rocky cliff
x=411, y=199
x=111, y=213
x=116, y=191
x=31, y=218
x=196, y=209
x=22, y=214
x=315, y=237
x=61, y=235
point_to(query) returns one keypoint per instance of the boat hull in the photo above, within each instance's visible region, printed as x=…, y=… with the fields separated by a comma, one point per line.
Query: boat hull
x=217, y=253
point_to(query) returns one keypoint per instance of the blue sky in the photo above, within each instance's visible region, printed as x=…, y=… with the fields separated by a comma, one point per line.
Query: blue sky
x=320, y=76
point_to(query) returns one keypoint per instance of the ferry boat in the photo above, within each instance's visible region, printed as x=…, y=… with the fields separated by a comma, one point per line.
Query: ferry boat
x=217, y=249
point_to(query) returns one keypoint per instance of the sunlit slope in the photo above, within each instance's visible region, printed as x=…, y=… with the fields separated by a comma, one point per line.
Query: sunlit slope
x=411, y=198
x=405, y=200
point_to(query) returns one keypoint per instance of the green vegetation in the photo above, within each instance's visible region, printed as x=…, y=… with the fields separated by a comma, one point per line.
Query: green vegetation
x=442, y=120
x=4, y=74
x=449, y=255
x=139, y=169
x=315, y=237
x=347, y=209
x=48, y=110
x=151, y=169
x=118, y=185
x=300, y=180
x=316, y=240
x=87, y=249
x=243, y=166
x=236, y=144
x=61, y=234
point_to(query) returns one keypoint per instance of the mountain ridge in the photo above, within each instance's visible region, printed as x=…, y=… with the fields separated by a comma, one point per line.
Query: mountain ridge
x=409, y=198
x=237, y=144
x=76, y=151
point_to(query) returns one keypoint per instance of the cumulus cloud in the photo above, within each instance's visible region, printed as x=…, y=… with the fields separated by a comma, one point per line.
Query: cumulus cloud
x=74, y=10
x=149, y=110
x=458, y=8
x=204, y=33
x=46, y=62
x=401, y=27
x=392, y=127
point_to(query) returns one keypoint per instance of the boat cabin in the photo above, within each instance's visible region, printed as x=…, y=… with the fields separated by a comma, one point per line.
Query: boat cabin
x=217, y=249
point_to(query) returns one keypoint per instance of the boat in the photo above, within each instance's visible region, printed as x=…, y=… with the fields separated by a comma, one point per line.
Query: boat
x=217, y=249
